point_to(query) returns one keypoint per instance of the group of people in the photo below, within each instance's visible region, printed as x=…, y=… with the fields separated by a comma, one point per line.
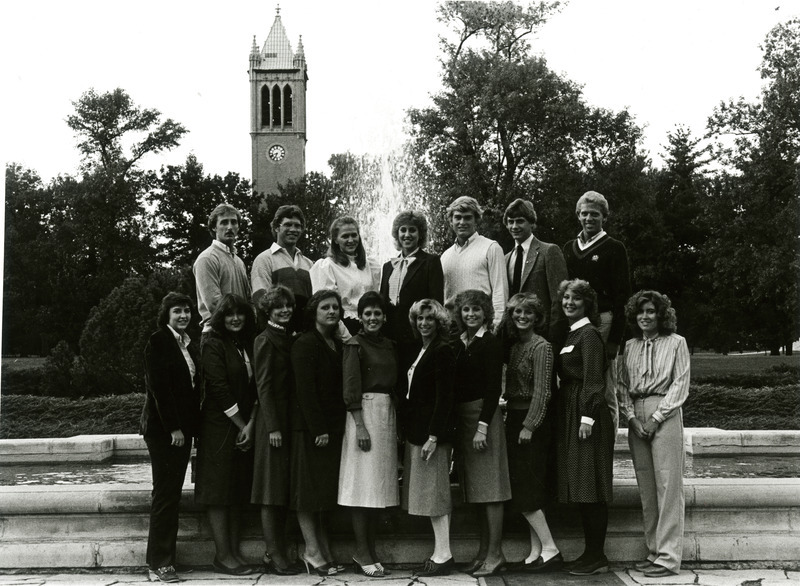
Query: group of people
x=308, y=374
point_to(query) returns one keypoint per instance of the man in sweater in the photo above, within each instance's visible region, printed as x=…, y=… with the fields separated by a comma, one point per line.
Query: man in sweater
x=535, y=267
x=283, y=263
x=217, y=270
x=474, y=261
x=596, y=257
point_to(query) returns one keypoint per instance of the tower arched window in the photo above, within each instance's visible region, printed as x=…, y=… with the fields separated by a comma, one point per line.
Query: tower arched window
x=287, y=105
x=264, y=106
x=276, y=105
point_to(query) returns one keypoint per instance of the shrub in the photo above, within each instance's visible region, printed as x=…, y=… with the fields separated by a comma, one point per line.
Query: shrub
x=57, y=379
x=114, y=337
x=22, y=376
x=711, y=405
x=776, y=375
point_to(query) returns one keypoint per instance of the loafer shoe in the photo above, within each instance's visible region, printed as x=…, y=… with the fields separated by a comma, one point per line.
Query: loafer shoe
x=590, y=567
x=165, y=574
x=554, y=564
x=656, y=571
x=642, y=565
x=431, y=568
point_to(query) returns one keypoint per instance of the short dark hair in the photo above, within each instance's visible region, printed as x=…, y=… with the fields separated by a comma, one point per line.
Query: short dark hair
x=170, y=300
x=220, y=210
x=665, y=314
x=336, y=253
x=473, y=297
x=584, y=289
x=528, y=300
x=229, y=304
x=274, y=297
x=372, y=299
x=310, y=313
x=520, y=208
x=283, y=212
x=410, y=218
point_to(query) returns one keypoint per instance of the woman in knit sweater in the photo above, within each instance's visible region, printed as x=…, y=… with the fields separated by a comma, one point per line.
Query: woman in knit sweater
x=529, y=424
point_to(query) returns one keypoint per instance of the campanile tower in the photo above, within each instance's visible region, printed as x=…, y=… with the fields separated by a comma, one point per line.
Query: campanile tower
x=277, y=110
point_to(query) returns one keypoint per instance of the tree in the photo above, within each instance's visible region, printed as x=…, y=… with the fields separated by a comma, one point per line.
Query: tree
x=753, y=249
x=183, y=197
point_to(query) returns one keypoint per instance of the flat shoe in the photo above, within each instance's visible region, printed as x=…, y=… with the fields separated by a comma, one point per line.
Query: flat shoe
x=590, y=568
x=431, y=568
x=487, y=570
x=657, y=571
x=642, y=565
x=540, y=566
x=221, y=568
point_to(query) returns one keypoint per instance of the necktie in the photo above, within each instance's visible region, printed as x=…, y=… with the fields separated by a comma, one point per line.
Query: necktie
x=516, y=281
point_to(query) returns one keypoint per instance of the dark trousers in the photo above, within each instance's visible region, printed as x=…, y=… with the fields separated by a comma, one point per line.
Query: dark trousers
x=169, y=469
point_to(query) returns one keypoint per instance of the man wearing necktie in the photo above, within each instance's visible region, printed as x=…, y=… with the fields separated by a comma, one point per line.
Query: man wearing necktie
x=535, y=267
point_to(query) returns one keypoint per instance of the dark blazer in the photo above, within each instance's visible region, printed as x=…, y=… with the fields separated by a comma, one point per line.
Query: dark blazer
x=225, y=379
x=423, y=280
x=428, y=410
x=317, y=404
x=542, y=273
x=170, y=402
x=273, y=374
x=479, y=373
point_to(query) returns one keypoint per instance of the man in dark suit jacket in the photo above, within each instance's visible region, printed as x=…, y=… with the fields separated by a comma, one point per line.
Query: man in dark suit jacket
x=535, y=267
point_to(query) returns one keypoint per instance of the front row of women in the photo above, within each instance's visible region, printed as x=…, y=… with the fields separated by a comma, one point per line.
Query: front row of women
x=314, y=451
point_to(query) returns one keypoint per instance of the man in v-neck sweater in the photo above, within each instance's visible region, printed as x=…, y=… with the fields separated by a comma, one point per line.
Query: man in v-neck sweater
x=596, y=257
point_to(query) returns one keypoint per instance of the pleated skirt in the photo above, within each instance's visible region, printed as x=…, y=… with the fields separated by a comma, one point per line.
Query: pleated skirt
x=369, y=479
x=483, y=474
x=426, y=483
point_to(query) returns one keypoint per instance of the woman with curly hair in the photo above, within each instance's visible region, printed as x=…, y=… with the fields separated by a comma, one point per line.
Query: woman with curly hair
x=480, y=440
x=653, y=385
x=275, y=385
x=529, y=424
x=425, y=404
x=346, y=270
x=585, y=446
x=224, y=453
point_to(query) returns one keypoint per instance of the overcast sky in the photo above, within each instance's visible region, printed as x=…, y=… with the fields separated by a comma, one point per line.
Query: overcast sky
x=368, y=61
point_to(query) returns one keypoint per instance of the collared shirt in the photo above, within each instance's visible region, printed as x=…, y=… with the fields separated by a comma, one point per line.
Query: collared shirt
x=658, y=366
x=467, y=342
x=400, y=266
x=512, y=260
x=583, y=245
x=577, y=325
x=350, y=281
x=183, y=343
x=276, y=266
x=218, y=271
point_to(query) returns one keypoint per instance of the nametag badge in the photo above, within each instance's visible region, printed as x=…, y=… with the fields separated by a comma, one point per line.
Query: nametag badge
x=567, y=349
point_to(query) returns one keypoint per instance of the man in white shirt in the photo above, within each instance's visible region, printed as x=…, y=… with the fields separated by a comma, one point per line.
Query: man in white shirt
x=474, y=261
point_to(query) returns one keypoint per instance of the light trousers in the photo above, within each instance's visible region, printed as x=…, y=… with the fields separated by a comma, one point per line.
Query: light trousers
x=659, y=472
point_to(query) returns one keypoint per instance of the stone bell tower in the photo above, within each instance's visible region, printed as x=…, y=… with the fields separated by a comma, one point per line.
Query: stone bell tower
x=277, y=110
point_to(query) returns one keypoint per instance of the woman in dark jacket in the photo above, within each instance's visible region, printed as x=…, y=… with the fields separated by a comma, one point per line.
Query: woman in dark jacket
x=274, y=382
x=425, y=407
x=224, y=454
x=318, y=418
x=169, y=421
x=405, y=279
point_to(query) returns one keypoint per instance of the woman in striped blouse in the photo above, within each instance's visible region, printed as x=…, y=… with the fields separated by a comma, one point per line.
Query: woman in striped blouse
x=653, y=385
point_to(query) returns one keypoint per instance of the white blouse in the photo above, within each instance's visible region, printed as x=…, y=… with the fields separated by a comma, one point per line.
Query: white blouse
x=350, y=281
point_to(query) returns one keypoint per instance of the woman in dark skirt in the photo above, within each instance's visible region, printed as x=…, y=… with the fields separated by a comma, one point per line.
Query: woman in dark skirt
x=169, y=421
x=585, y=430
x=425, y=405
x=480, y=439
x=274, y=383
x=529, y=429
x=318, y=418
x=224, y=454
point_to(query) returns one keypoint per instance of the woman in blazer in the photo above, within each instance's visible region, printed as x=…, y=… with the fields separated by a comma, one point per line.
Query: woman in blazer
x=274, y=383
x=412, y=275
x=224, y=454
x=426, y=404
x=318, y=419
x=169, y=421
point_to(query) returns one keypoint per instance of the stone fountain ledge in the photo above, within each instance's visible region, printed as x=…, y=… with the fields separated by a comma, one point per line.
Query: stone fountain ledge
x=698, y=441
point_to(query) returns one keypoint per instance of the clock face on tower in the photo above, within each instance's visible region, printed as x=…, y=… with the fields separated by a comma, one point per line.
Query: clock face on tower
x=276, y=153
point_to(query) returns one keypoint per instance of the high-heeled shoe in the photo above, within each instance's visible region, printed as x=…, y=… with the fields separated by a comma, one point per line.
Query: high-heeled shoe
x=386, y=571
x=325, y=569
x=473, y=566
x=221, y=568
x=370, y=570
x=271, y=567
x=490, y=570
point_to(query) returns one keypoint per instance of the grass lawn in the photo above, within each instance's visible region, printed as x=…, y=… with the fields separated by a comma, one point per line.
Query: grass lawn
x=707, y=364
